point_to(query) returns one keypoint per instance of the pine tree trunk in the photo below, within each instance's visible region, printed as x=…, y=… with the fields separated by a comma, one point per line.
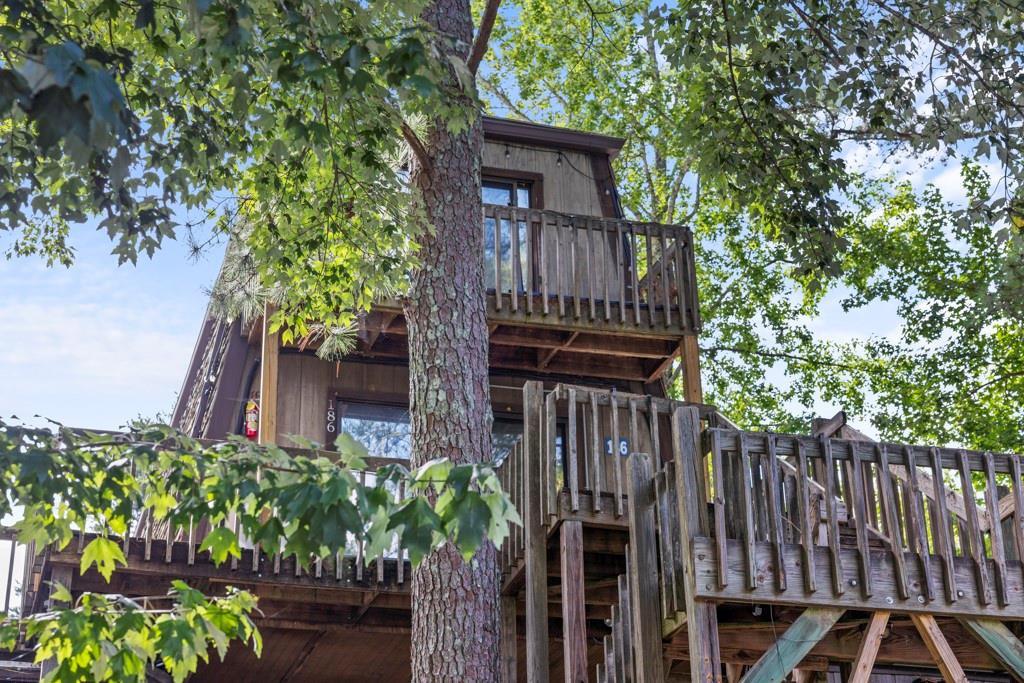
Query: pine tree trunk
x=455, y=614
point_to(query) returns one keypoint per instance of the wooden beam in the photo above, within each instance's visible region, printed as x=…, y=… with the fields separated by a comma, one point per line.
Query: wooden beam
x=643, y=568
x=702, y=619
x=1000, y=642
x=793, y=645
x=535, y=522
x=693, y=391
x=868, y=650
x=509, y=639
x=936, y=643
x=300, y=661
x=268, y=379
x=574, y=613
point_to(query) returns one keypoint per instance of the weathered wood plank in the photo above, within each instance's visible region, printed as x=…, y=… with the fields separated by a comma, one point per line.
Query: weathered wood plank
x=975, y=543
x=892, y=522
x=537, y=660
x=793, y=645
x=936, y=643
x=643, y=565
x=995, y=530
x=574, y=617
x=775, y=522
x=1000, y=642
x=807, y=522
x=884, y=597
x=868, y=649
x=508, y=639
x=702, y=620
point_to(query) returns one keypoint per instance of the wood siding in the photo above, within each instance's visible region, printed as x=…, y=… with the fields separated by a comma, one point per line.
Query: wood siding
x=568, y=188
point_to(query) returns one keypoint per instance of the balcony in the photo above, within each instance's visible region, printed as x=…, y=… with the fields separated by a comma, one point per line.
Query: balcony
x=573, y=295
x=549, y=269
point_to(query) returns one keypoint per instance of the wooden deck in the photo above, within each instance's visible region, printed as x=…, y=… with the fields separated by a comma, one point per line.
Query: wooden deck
x=728, y=537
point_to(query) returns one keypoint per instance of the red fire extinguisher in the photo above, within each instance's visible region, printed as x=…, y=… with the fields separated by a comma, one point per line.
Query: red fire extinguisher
x=252, y=419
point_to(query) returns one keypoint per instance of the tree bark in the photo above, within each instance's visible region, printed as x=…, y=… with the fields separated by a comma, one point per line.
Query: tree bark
x=455, y=605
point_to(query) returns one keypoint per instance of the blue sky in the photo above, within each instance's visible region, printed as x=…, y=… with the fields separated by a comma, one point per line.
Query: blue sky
x=96, y=344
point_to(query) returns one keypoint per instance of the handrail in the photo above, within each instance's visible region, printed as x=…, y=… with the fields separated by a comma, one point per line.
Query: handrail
x=545, y=264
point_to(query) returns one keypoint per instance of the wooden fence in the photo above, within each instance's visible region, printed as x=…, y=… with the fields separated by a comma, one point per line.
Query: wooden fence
x=547, y=266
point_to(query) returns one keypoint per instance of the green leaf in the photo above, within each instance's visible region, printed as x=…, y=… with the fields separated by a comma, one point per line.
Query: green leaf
x=221, y=543
x=105, y=553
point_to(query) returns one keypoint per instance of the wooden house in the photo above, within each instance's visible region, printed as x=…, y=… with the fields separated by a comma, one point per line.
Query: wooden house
x=660, y=542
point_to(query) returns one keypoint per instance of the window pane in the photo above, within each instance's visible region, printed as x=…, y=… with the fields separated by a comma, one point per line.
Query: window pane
x=497, y=193
x=523, y=196
x=384, y=430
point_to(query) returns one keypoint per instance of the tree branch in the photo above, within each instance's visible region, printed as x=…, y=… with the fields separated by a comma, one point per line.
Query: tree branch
x=496, y=90
x=416, y=145
x=483, y=36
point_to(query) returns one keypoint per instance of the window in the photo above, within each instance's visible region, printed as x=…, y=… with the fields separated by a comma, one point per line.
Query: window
x=506, y=192
x=385, y=430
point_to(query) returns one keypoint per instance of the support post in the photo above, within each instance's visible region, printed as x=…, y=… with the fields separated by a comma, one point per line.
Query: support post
x=62, y=575
x=868, y=649
x=939, y=648
x=1000, y=642
x=701, y=617
x=536, y=550
x=793, y=645
x=268, y=379
x=574, y=613
x=643, y=569
x=693, y=391
x=509, y=639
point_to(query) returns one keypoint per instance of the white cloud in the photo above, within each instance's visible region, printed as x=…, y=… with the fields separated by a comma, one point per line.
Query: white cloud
x=95, y=345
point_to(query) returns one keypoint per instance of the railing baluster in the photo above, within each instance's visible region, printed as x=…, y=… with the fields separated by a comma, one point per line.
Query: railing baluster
x=560, y=265
x=635, y=264
x=1018, y=507
x=545, y=289
x=775, y=513
x=718, y=509
x=605, y=258
x=572, y=474
x=652, y=421
x=531, y=253
x=592, y=259
x=917, y=523
x=359, y=542
x=649, y=275
x=684, y=319
x=807, y=522
x=620, y=269
x=746, y=496
x=575, y=251
x=665, y=293
x=497, y=258
x=974, y=543
x=616, y=455
x=832, y=518
x=892, y=518
x=995, y=529
x=860, y=519
x=942, y=527
x=595, y=440
x=516, y=270
x=549, y=429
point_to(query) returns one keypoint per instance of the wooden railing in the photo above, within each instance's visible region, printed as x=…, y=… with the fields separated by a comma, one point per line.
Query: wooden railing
x=149, y=543
x=565, y=270
x=900, y=550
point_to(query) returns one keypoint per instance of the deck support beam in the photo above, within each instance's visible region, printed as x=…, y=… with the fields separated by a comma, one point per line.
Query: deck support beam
x=693, y=391
x=574, y=614
x=536, y=538
x=701, y=616
x=1000, y=642
x=868, y=649
x=509, y=639
x=793, y=645
x=939, y=648
x=643, y=572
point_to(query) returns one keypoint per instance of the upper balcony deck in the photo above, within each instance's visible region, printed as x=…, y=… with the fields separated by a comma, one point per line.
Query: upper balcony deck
x=576, y=295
